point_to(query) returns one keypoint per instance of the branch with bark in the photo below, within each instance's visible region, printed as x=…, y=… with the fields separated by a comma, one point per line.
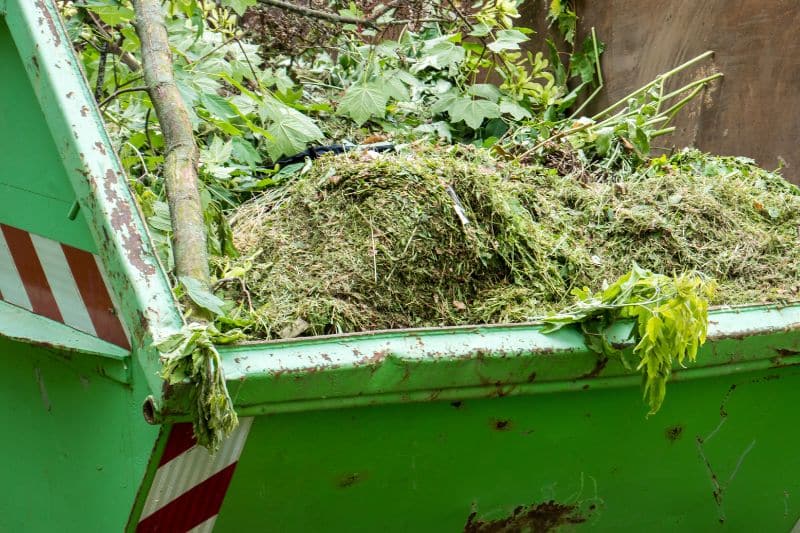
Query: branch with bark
x=181, y=157
x=304, y=11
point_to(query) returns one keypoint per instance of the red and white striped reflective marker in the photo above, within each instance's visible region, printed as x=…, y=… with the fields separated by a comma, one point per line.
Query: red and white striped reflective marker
x=59, y=282
x=190, y=483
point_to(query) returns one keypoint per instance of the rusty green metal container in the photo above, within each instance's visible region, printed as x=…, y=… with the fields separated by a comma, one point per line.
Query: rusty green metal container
x=490, y=428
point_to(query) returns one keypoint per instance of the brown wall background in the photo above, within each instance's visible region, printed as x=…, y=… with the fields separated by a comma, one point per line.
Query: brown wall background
x=752, y=111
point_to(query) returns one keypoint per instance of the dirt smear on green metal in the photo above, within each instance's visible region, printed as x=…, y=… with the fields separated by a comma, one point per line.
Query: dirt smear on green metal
x=447, y=236
x=547, y=516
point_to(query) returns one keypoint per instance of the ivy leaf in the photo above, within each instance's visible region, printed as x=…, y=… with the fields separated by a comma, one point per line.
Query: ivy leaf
x=201, y=296
x=473, y=112
x=364, y=101
x=290, y=130
x=507, y=40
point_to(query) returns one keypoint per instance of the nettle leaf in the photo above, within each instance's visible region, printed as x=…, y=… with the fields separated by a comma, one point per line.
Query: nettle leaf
x=202, y=296
x=364, y=101
x=217, y=106
x=485, y=90
x=111, y=14
x=240, y=6
x=507, y=40
x=444, y=102
x=290, y=130
x=473, y=111
x=440, y=55
x=480, y=30
x=582, y=63
x=393, y=87
x=510, y=107
x=245, y=152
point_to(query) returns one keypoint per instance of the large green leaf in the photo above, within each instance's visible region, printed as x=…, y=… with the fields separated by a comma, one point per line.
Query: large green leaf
x=440, y=55
x=217, y=106
x=507, y=40
x=290, y=130
x=240, y=6
x=201, y=296
x=364, y=101
x=473, y=111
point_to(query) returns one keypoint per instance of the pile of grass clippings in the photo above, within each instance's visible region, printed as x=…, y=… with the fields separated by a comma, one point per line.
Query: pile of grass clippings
x=446, y=236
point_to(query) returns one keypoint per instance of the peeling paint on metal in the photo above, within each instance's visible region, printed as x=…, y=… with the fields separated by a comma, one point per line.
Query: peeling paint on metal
x=50, y=22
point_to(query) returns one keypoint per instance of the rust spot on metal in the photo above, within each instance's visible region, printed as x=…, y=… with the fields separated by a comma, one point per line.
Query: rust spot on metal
x=70, y=95
x=598, y=367
x=35, y=63
x=375, y=358
x=674, y=433
x=98, y=144
x=547, y=516
x=501, y=424
x=457, y=404
x=122, y=222
x=531, y=377
x=85, y=113
x=50, y=22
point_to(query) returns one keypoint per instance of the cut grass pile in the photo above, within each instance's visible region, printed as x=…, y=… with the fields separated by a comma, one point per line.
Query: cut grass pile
x=438, y=236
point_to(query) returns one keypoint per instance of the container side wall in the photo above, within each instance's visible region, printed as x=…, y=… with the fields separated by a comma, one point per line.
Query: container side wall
x=75, y=444
x=721, y=451
x=32, y=177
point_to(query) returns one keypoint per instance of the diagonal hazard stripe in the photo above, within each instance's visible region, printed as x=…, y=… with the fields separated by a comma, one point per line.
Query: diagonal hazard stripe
x=95, y=296
x=62, y=283
x=191, y=508
x=181, y=439
x=30, y=271
x=10, y=282
x=190, y=484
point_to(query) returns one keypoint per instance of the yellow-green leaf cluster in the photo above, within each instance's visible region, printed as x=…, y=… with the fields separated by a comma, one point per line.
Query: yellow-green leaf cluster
x=671, y=314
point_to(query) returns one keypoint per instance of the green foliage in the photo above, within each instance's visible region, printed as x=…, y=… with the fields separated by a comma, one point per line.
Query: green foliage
x=190, y=356
x=561, y=14
x=671, y=316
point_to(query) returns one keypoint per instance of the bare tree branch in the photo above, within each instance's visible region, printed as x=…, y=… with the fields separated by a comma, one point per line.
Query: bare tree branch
x=181, y=158
x=317, y=14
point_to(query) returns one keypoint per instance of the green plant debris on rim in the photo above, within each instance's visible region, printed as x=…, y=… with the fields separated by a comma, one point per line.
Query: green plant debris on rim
x=437, y=236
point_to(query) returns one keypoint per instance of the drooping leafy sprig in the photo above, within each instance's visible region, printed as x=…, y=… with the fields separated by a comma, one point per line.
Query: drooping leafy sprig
x=671, y=315
x=190, y=356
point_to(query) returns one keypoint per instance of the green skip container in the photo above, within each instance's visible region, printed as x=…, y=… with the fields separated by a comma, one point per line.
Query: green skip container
x=476, y=429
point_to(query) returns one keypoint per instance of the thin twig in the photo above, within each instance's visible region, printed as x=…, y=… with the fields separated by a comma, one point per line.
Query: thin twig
x=119, y=92
x=317, y=14
x=101, y=72
x=247, y=58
